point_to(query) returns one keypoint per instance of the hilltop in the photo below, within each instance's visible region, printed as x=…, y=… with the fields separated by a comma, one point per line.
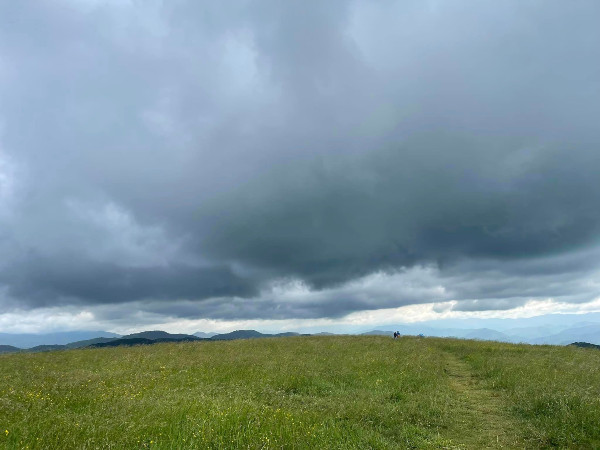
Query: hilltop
x=314, y=392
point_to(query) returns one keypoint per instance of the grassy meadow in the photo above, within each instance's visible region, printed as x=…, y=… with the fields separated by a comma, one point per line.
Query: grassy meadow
x=303, y=392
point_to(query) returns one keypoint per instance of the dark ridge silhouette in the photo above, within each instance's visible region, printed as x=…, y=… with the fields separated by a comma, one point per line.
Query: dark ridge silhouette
x=123, y=342
x=238, y=334
x=585, y=345
x=249, y=334
x=88, y=342
x=141, y=341
x=157, y=334
x=9, y=349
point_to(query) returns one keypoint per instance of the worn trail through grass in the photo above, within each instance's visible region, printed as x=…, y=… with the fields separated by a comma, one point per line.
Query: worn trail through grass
x=482, y=411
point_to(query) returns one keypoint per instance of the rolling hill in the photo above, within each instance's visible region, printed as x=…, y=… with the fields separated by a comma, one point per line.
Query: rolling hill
x=586, y=333
x=9, y=349
x=249, y=334
x=157, y=334
x=304, y=392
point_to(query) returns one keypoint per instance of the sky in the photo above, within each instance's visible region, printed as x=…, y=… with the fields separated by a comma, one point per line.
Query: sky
x=207, y=166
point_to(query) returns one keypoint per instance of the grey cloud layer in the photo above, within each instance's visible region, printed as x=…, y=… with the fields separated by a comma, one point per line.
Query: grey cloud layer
x=169, y=153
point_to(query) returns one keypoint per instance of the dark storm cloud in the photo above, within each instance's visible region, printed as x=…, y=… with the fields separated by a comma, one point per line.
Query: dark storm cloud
x=71, y=280
x=184, y=151
x=439, y=199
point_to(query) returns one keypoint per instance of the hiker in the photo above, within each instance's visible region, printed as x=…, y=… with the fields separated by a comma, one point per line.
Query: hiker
x=396, y=334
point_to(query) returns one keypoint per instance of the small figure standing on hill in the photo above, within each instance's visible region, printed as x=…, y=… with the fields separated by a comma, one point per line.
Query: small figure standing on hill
x=396, y=334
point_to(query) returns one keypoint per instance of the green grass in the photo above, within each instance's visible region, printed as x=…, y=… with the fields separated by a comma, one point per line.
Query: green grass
x=553, y=391
x=304, y=392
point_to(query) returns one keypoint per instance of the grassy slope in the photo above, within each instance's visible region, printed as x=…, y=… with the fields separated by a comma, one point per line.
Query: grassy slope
x=302, y=392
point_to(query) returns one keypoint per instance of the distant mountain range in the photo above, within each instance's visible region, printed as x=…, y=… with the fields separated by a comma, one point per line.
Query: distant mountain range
x=142, y=338
x=552, y=335
x=129, y=341
x=551, y=329
x=106, y=340
x=201, y=334
x=156, y=335
x=248, y=334
x=584, y=333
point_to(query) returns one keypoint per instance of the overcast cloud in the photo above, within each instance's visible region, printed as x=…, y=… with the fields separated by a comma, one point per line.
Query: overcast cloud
x=297, y=160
